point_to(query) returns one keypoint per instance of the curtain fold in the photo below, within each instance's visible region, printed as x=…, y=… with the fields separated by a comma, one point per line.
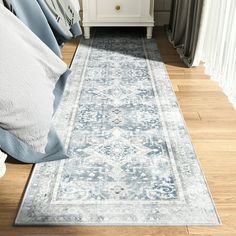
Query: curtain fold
x=184, y=27
x=218, y=50
x=205, y=30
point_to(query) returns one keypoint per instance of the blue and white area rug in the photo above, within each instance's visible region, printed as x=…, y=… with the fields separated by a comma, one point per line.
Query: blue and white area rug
x=131, y=158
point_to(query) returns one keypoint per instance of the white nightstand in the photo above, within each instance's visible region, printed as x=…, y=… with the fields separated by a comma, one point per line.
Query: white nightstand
x=118, y=13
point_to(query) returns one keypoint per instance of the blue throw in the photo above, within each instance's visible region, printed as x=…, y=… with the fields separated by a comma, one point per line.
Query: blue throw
x=44, y=22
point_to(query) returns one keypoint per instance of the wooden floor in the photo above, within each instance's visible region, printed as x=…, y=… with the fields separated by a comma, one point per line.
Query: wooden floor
x=211, y=121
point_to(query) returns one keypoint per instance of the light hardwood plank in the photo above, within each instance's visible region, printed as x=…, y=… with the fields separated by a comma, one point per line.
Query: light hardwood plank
x=210, y=120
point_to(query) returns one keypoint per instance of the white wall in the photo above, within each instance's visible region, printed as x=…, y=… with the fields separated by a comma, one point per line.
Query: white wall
x=162, y=11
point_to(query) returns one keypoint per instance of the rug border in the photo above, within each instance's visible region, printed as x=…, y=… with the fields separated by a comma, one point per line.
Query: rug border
x=219, y=223
x=32, y=172
x=190, y=138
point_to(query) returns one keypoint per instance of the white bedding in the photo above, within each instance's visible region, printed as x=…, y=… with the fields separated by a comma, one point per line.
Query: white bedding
x=29, y=71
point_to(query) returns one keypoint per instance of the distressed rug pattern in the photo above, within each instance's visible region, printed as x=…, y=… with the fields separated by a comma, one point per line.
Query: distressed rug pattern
x=131, y=159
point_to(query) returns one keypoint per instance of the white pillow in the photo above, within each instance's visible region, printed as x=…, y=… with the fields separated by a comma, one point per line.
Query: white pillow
x=29, y=71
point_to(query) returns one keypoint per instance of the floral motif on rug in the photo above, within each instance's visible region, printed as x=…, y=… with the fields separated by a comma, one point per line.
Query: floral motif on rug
x=131, y=159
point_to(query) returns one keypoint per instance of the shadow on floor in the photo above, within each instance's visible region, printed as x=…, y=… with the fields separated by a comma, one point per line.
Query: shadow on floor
x=129, y=36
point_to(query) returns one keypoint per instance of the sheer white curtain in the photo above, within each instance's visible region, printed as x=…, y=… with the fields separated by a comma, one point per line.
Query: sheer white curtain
x=217, y=44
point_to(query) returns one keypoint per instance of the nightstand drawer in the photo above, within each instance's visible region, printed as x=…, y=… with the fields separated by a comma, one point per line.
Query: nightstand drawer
x=139, y=13
x=118, y=8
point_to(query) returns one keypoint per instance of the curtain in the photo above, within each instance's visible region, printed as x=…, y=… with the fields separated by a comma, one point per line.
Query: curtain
x=184, y=27
x=205, y=30
x=216, y=45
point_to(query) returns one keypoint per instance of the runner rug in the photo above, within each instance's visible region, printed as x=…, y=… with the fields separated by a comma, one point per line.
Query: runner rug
x=131, y=158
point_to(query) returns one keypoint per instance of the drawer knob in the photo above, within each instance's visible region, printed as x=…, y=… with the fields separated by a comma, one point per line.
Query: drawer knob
x=117, y=7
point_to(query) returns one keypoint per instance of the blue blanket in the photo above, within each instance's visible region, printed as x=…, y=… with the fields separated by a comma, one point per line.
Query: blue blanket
x=43, y=21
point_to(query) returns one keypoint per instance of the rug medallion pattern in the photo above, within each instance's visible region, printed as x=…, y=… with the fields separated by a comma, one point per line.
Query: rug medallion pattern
x=131, y=159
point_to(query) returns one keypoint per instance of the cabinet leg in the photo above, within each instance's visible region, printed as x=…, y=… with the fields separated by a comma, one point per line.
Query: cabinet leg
x=149, y=32
x=87, y=32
